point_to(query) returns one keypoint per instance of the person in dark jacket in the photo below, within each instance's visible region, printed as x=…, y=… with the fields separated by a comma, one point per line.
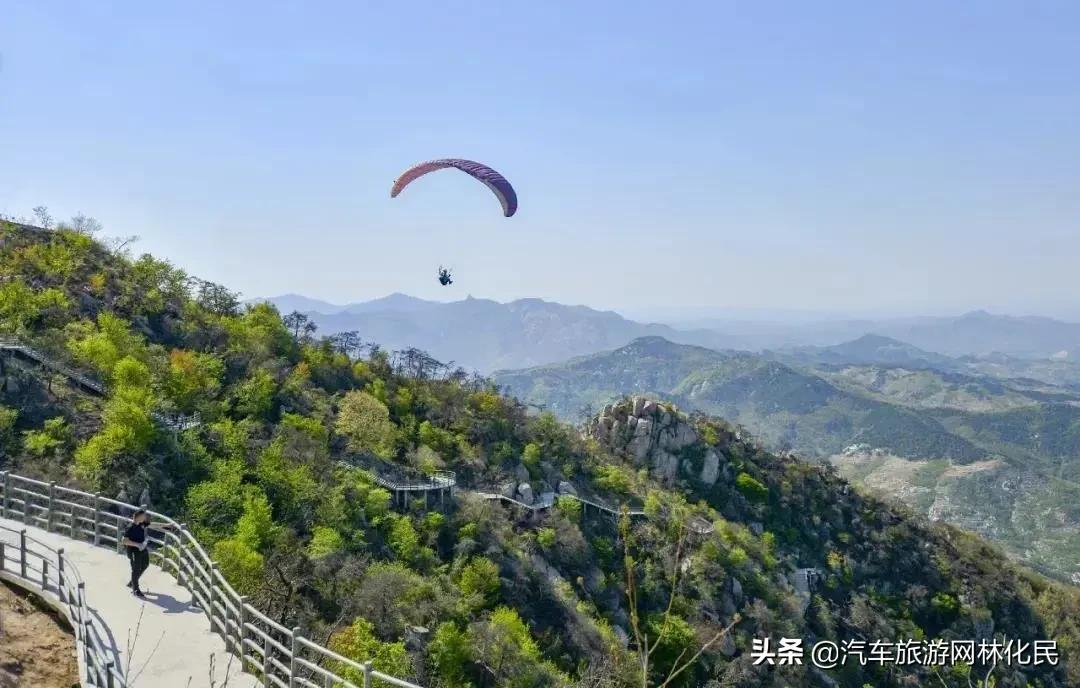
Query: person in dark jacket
x=137, y=541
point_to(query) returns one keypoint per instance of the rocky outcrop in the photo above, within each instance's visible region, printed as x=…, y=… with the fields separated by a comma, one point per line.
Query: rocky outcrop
x=710, y=471
x=525, y=493
x=652, y=434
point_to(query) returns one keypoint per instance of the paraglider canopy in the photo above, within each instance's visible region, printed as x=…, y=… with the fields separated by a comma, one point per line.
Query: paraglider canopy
x=444, y=276
x=492, y=179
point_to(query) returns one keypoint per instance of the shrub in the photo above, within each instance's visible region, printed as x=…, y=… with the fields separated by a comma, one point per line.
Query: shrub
x=751, y=488
x=365, y=422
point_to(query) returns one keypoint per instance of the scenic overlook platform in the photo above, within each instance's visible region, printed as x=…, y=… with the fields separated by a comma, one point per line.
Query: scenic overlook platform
x=192, y=630
x=163, y=641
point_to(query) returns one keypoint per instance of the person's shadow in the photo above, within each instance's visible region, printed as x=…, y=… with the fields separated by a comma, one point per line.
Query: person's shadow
x=169, y=604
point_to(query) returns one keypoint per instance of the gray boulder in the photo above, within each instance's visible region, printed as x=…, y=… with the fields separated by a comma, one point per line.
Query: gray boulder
x=525, y=493
x=710, y=470
x=727, y=644
x=521, y=473
x=665, y=466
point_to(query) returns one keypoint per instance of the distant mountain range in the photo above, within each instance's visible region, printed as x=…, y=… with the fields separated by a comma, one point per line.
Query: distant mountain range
x=931, y=430
x=487, y=335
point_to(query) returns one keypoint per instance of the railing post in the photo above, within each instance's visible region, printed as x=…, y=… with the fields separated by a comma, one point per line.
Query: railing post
x=2, y=555
x=86, y=644
x=83, y=620
x=60, y=574
x=267, y=666
x=97, y=519
x=212, y=611
x=108, y=675
x=241, y=632
x=181, y=553
x=44, y=574
x=22, y=553
x=367, y=674
x=119, y=535
x=294, y=651
x=52, y=500
x=4, y=499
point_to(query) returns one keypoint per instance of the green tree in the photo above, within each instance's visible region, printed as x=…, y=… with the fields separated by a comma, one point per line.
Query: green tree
x=545, y=537
x=214, y=506
x=23, y=309
x=290, y=486
x=128, y=427
x=359, y=643
x=503, y=646
x=480, y=578
x=260, y=335
x=53, y=439
x=530, y=457
x=403, y=539
x=365, y=423
x=751, y=487
x=450, y=655
x=104, y=344
x=255, y=395
x=241, y=565
x=614, y=478
x=8, y=416
x=255, y=527
x=192, y=379
x=324, y=542
x=569, y=507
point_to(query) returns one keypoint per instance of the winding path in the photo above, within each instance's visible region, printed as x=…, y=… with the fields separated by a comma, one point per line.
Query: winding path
x=161, y=642
x=17, y=349
x=192, y=631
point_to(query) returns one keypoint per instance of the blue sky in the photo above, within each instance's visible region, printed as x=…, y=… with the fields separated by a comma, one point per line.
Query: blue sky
x=839, y=156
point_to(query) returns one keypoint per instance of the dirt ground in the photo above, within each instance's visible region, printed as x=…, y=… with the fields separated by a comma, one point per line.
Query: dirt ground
x=37, y=649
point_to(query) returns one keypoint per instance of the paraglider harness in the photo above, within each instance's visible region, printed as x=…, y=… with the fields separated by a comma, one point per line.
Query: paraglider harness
x=444, y=276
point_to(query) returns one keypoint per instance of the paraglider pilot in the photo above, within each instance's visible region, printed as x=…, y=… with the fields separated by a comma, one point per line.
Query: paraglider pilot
x=444, y=276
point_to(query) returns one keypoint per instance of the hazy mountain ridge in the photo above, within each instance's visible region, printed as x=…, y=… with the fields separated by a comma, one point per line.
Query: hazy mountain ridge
x=486, y=335
x=976, y=333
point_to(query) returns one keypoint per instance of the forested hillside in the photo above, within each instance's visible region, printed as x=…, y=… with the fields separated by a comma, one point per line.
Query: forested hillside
x=995, y=456
x=277, y=478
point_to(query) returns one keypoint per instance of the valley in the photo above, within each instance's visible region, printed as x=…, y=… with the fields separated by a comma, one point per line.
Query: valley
x=998, y=456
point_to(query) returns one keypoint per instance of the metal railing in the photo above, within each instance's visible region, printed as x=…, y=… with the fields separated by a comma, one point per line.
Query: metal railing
x=548, y=499
x=281, y=656
x=48, y=573
x=438, y=480
x=176, y=422
x=33, y=354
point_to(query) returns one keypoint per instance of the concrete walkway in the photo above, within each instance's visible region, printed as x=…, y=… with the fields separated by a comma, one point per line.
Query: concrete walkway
x=160, y=642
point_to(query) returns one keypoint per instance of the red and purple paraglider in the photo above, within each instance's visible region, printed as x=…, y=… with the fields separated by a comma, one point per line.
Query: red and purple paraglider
x=492, y=179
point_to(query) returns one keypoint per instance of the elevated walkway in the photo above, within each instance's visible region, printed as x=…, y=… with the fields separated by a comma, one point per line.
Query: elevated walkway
x=193, y=630
x=87, y=384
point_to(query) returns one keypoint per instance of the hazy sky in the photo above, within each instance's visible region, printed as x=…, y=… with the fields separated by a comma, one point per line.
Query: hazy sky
x=923, y=157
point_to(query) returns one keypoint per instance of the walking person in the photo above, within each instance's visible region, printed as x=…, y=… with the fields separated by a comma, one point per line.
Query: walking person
x=137, y=542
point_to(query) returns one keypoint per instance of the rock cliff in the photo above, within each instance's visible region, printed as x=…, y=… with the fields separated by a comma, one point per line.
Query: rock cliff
x=655, y=435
